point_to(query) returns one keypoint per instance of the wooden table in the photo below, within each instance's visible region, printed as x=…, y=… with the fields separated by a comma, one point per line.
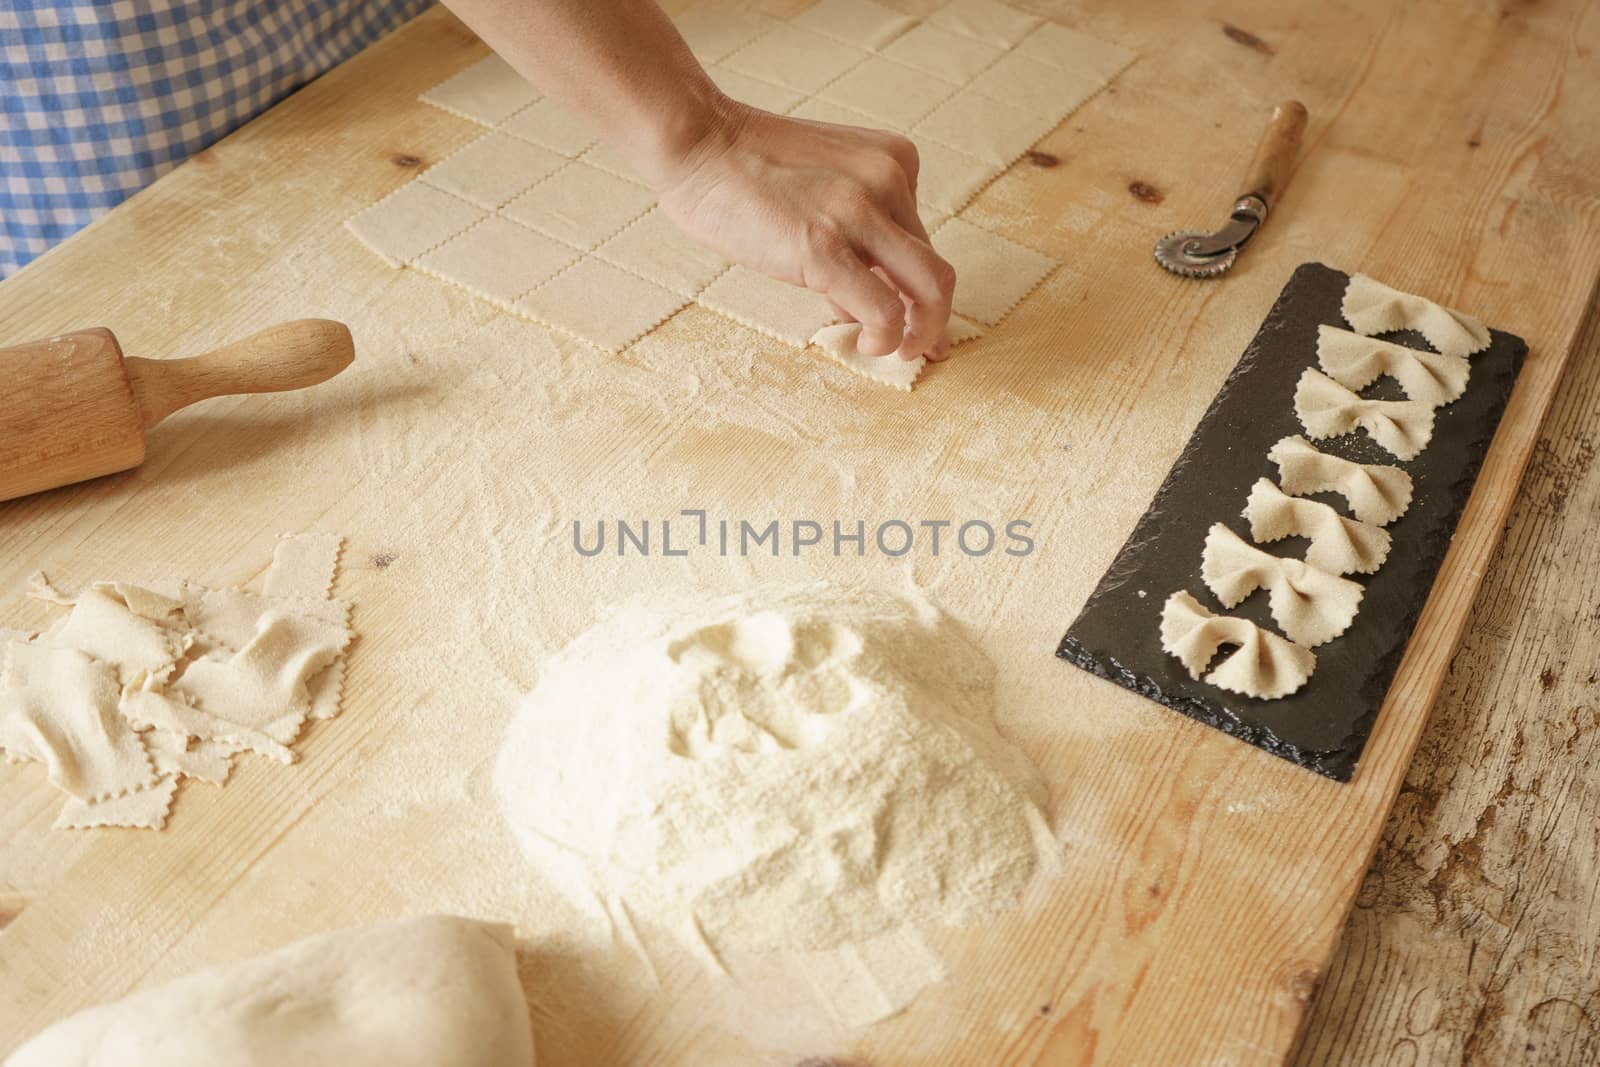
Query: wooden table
x=1206, y=883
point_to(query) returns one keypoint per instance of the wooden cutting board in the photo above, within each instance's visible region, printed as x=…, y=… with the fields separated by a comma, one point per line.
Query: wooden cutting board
x=1205, y=882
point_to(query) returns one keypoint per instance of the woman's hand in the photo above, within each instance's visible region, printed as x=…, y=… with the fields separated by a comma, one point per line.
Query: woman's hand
x=831, y=208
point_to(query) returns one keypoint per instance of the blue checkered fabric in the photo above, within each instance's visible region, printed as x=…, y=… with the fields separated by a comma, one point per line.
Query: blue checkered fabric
x=100, y=97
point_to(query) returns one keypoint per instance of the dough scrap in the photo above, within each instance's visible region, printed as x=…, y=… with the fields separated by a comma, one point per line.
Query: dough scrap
x=59, y=706
x=1262, y=665
x=1355, y=362
x=102, y=625
x=1338, y=545
x=204, y=675
x=145, y=808
x=416, y=992
x=263, y=686
x=1376, y=494
x=1327, y=409
x=172, y=714
x=1311, y=605
x=1373, y=308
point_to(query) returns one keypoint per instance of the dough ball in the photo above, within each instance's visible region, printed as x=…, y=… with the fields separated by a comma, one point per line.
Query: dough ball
x=420, y=992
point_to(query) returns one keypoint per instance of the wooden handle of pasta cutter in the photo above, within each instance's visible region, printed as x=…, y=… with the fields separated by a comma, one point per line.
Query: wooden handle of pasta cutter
x=73, y=408
x=290, y=355
x=1276, y=152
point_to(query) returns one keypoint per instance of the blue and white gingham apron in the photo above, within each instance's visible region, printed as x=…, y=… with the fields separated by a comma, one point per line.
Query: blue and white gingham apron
x=98, y=98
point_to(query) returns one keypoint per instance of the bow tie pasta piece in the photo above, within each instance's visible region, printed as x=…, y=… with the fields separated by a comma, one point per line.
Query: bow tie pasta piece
x=1375, y=493
x=1311, y=605
x=1327, y=409
x=1356, y=362
x=1262, y=665
x=1338, y=545
x=1372, y=307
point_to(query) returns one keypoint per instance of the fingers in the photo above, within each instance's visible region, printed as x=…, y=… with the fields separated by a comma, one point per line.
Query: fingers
x=852, y=288
x=925, y=280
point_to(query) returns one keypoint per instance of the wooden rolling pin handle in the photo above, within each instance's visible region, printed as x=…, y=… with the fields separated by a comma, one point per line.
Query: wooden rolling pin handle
x=291, y=355
x=1275, y=155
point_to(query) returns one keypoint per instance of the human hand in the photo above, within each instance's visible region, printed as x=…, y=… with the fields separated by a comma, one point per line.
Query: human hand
x=831, y=208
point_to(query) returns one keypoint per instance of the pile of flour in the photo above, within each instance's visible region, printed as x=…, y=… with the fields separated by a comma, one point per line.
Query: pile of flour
x=798, y=767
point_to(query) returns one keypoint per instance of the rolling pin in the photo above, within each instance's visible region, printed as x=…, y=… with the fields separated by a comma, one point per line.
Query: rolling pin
x=73, y=407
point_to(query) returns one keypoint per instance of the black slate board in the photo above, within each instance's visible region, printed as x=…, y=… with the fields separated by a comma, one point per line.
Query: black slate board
x=1325, y=725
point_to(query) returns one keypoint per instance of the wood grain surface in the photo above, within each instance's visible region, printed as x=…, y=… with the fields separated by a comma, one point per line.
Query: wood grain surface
x=1451, y=149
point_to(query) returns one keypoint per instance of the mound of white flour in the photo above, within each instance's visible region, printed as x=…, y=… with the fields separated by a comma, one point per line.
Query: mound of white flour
x=797, y=767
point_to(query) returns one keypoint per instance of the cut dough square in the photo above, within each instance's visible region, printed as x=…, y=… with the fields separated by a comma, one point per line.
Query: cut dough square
x=857, y=22
x=892, y=93
x=603, y=157
x=580, y=205
x=839, y=342
x=411, y=220
x=1055, y=45
x=498, y=258
x=493, y=169
x=796, y=58
x=787, y=312
x=1027, y=83
x=59, y=706
x=993, y=274
x=985, y=20
x=489, y=92
x=754, y=91
x=549, y=125
x=652, y=247
x=715, y=31
x=942, y=53
x=817, y=109
x=601, y=304
x=948, y=180
x=997, y=134
x=141, y=809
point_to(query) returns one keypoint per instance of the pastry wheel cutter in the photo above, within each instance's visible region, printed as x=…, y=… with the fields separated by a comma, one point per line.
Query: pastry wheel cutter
x=1205, y=255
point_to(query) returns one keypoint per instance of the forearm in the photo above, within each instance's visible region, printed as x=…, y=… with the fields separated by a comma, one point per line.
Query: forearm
x=620, y=65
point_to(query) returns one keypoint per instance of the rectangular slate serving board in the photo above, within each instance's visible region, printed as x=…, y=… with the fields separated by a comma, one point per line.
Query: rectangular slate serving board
x=1325, y=725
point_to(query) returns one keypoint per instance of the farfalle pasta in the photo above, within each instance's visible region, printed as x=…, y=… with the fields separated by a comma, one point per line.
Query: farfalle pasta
x=1339, y=545
x=1310, y=605
x=1327, y=409
x=1262, y=664
x=1355, y=362
x=1376, y=494
x=1372, y=308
